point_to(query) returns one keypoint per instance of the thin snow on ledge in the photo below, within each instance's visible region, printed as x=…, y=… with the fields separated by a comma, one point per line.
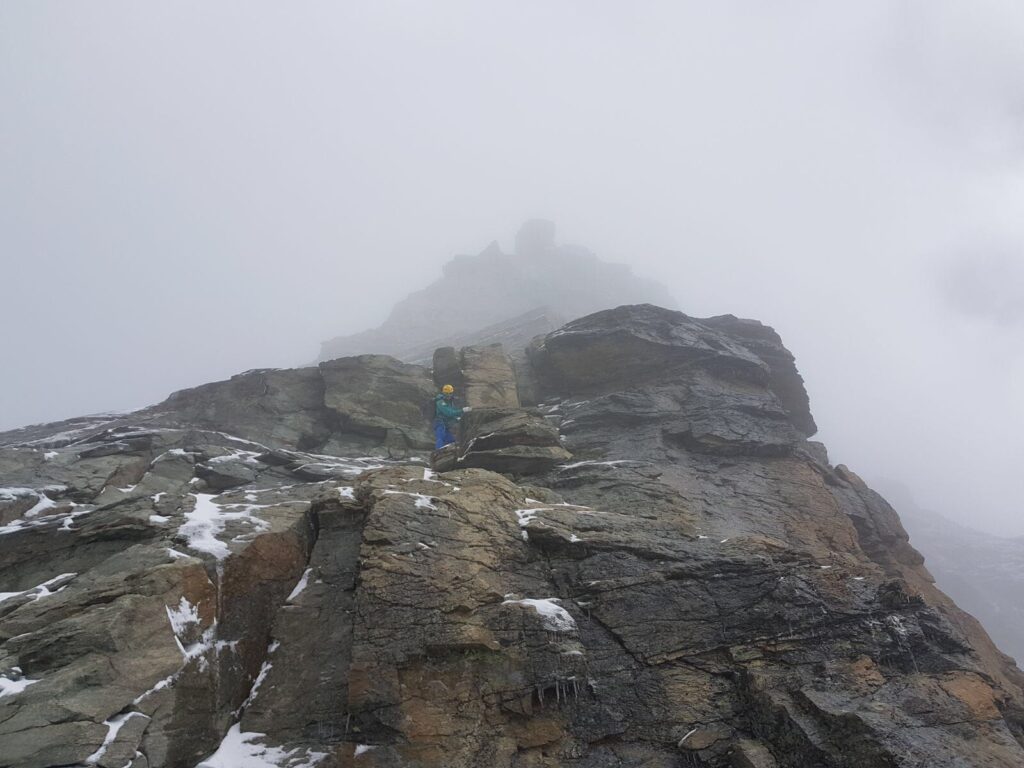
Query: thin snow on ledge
x=527, y=516
x=243, y=750
x=614, y=463
x=114, y=726
x=208, y=519
x=301, y=586
x=182, y=617
x=42, y=590
x=423, y=501
x=553, y=616
x=34, y=517
x=12, y=686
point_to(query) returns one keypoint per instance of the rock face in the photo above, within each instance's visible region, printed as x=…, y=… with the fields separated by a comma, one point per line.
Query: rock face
x=501, y=298
x=696, y=586
x=517, y=442
x=982, y=572
x=484, y=377
x=349, y=405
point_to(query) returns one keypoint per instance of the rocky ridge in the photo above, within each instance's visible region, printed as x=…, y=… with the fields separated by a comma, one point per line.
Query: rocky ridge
x=497, y=297
x=634, y=557
x=982, y=572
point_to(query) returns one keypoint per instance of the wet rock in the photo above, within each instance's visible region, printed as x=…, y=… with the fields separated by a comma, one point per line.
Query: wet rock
x=447, y=368
x=221, y=475
x=489, y=380
x=283, y=407
x=445, y=459
x=696, y=585
x=784, y=379
x=516, y=441
x=380, y=398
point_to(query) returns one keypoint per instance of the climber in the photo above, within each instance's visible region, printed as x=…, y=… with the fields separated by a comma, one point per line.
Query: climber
x=446, y=416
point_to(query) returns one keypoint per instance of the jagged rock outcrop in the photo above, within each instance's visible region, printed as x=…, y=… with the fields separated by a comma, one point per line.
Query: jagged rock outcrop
x=345, y=406
x=512, y=441
x=696, y=586
x=496, y=297
x=495, y=433
x=484, y=376
x=982, y=572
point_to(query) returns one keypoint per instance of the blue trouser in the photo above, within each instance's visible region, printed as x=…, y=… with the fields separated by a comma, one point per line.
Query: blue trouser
x=443, y=435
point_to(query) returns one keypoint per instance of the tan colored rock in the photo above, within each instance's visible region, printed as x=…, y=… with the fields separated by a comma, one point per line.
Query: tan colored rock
x=489, y=379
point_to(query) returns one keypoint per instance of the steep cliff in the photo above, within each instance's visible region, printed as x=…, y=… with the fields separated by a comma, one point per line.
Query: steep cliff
x=982, y=572
x=634, y=557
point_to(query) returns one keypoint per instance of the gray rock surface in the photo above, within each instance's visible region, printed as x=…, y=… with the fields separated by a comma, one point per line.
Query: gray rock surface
x=982, y=572
x=489, y=379
x=695, y=586
x=514, y=441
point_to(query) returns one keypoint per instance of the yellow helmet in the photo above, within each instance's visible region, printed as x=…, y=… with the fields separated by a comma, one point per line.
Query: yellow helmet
x=448, y=389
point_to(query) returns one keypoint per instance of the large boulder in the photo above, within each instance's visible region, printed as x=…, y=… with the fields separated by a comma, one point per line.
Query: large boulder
x=489, y=378
x=380, y=398
x=515, y=441
x=368, y=405
x=784, y=379
x=657, y=380
x=270, y=406
x=483, y=376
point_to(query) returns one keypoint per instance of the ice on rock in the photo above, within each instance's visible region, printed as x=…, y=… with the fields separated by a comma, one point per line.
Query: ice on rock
x=553, y=616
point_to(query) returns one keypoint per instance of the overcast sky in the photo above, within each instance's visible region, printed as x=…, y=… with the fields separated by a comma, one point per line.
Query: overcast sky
x=192, y=189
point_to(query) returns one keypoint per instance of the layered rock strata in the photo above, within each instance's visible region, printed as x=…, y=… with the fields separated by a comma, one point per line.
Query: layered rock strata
x=265, y=572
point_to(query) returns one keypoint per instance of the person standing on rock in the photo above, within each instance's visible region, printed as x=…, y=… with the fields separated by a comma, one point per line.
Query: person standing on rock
x=446, y=416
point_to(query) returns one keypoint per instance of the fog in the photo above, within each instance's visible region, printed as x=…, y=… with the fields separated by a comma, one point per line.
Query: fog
x=190, y=190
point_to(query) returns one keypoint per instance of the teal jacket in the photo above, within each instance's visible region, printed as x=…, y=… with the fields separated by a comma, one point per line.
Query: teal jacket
x=446, y=411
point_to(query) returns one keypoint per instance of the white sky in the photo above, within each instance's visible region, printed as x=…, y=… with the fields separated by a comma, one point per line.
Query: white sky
x=189, y=190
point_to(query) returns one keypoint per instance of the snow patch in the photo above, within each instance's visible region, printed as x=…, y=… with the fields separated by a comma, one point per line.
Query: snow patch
x=301, y=586
x=43, y=502
x=208, y=519
x=12, y=686
x=182, y=617
x=170, y=454
x=264, y=671
x=525, y=517
x=158, y=519
x=41, y=590
x=114, y=725
x=158, y=687
x=576, y=464
x=244, y=750
x=422, y=500
x=553, y=616
x=244, y=457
